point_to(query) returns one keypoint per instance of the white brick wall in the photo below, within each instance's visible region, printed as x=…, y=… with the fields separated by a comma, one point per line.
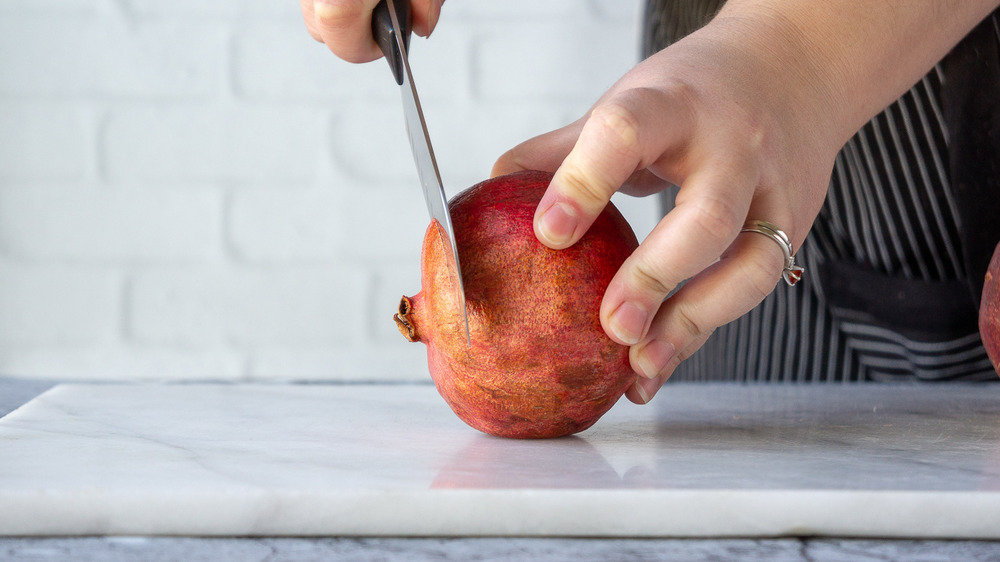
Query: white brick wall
x=194, y=189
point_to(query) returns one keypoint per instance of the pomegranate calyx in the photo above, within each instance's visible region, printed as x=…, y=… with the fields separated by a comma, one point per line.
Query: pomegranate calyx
x=404, y=322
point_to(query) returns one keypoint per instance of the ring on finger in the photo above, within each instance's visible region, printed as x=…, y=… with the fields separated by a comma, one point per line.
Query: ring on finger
x=791, y=273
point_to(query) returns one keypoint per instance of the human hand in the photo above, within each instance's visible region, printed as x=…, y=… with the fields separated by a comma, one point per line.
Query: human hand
x=345, y=26
x=744, y=136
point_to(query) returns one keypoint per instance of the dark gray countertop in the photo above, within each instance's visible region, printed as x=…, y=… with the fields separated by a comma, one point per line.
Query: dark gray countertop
x=16, y=391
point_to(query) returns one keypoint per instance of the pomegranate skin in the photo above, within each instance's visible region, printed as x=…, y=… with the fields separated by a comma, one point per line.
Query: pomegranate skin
x=989, y=311
x=539, y=364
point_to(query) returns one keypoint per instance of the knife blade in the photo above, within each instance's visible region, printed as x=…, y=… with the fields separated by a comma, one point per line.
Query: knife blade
x=391, y=27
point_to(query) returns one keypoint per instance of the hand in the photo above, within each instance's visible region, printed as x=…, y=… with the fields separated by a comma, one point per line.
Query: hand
x=746, y=115
x=345, y=26
x=742, y=135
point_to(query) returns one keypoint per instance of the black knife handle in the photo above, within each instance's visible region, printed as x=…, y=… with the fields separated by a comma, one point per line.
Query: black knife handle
x=386, y=38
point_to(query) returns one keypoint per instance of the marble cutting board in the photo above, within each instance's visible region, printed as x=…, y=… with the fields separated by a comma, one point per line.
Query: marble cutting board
x=702, y=460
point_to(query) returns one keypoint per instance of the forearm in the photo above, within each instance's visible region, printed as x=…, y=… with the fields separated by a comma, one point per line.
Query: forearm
x=850, y=57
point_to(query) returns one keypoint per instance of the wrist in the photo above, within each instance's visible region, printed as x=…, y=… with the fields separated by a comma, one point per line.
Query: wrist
x=795, y=77
x=776, y=79
x=844, y=61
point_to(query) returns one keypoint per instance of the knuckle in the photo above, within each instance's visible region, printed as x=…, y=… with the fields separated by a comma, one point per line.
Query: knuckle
x=589, y=188
x=649, y=280
x=685, y=96
x=694, y=346
x=716, y=218
x=340, y=13
x=761, y=274
x=345, y=27
x=687, y=319
x=621, y=122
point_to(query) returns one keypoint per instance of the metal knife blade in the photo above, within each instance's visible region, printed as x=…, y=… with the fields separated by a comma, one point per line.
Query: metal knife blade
x=394, y=46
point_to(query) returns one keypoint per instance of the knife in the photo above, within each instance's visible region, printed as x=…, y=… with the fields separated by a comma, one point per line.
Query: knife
x=391, y=27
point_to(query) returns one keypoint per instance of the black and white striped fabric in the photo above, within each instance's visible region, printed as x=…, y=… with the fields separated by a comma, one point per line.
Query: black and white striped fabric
x=886, y=296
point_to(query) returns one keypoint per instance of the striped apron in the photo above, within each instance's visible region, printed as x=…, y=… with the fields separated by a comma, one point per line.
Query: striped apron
x=896, y=258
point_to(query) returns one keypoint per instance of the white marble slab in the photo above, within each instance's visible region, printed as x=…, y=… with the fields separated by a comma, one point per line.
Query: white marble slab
x=703, y=460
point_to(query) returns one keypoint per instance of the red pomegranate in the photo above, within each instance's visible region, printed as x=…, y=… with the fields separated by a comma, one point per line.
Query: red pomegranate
x=989, y=311
x=539, y=364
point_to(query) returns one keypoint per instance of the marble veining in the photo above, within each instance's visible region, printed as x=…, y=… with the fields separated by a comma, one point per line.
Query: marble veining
x=384, y=460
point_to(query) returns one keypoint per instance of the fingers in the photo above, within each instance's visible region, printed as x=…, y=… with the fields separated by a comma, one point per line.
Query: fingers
x=345, y=26
x=547, y=151
x=309, y=16
x=426, y=14
x=709, y=211
x=643, y=389
x=728, y=289
x=622, y=134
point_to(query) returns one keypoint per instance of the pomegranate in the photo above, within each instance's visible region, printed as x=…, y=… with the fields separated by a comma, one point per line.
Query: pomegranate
x=989, y=311
x=539, y=364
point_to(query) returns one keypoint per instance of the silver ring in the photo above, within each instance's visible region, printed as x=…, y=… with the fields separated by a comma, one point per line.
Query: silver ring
x=792, y=273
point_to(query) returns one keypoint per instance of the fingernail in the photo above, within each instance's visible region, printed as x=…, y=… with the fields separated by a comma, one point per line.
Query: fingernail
x=433, y=15
x=654, y=357
x=627, y=322
x=557, y=225
x=646, y=389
